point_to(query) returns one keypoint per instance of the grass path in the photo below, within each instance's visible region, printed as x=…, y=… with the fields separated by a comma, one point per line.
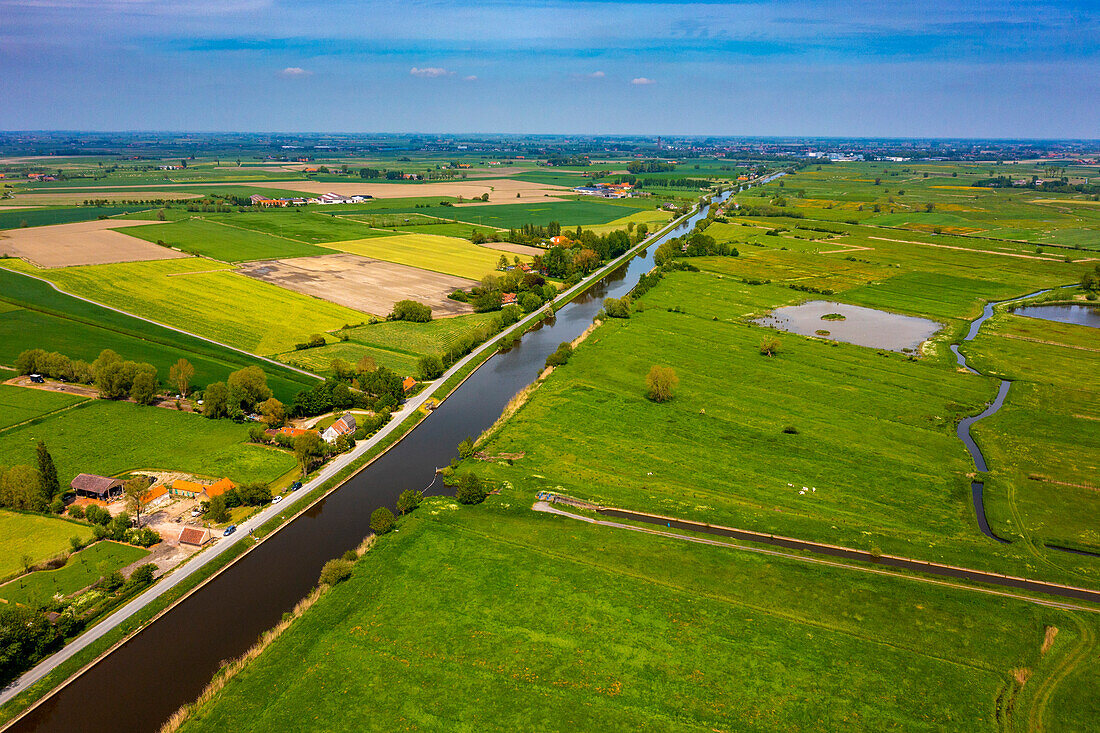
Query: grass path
x=1069, y=664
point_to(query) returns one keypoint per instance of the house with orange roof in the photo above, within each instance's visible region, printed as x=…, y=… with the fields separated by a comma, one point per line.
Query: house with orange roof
x=219, y=487
x=408, y=384
x=508, y=299
x=155, y=496
x=200, y=492
x=559, y=241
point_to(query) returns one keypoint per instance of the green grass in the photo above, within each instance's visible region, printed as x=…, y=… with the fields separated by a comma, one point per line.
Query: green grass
x=304, y=226
x=493, y=617
x=206, y=298
x=110, y=438
x=448, y=255
x=34, y=315
x=45, y=216
x=82, y=569
x=507, y=216
x=227, y=241
x=36, y=537
x=18, y=404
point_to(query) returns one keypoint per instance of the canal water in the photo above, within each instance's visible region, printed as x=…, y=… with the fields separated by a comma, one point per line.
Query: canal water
x=139, y=685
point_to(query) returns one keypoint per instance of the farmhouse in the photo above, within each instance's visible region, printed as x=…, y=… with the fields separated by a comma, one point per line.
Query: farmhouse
x=258, y=200
x=408, y=384
x=343, y=426
x=559, y=240
x=91, y=486
x=200, y=492
x=508, y=299
x=336, y=198
x=155, y=496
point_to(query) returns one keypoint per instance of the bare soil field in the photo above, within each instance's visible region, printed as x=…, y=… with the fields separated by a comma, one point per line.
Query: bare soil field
x=519, y=249
x=500, y=190
x=362, y=283
x=82, y=243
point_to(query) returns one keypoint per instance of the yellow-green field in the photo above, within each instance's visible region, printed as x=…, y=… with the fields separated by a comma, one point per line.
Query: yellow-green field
x=654, y=218
x=206, y=298
x=449, y=255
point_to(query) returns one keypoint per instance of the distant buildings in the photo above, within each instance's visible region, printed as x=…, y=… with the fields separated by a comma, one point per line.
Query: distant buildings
x=325, y=198
x=606, y=190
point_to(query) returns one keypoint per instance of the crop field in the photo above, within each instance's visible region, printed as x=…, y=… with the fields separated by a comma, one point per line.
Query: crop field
x=558, y=625
x=46, y=216
x=82, y=569
x=206, y=298
x=311, y=227
x=225, y=242
x=319, y=361
x=19, y=404
x=34, y=537
x=82, y=243
x=449, y=255
x=653, y=218
x=39, y=317
x=540, y=213
x=143, y=437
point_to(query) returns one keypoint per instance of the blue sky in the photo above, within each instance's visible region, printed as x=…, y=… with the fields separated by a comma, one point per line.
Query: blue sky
x=797, y=67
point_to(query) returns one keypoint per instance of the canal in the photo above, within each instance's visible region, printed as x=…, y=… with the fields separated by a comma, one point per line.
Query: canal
x=139, y=685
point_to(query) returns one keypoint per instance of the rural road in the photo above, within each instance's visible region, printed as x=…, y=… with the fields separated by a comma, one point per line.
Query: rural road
x=221, y=545
x=922, y=566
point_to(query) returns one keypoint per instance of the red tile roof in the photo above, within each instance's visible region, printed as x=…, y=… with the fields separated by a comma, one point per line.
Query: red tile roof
x=194, y=536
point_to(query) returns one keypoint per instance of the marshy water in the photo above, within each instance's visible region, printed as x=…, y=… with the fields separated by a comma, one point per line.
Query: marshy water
x=852, y=324
x=1082, y=315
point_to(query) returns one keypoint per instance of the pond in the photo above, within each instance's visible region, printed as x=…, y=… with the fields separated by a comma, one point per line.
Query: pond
x=852, y=324
x=1082, y=315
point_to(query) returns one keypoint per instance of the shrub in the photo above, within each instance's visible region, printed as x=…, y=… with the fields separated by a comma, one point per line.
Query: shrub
x=561, y=355
x=769, y=346
x=350, y=556
x=617, y=307
x=143, y=575
x=470, y=489
x=429, y=367
x=466, y=448
x=410, y=310
x=112, y=582
x=790, y=430
x=97, y=515
x=76, y=512
x=335, y=570
x=382, y=521
x=409, y=500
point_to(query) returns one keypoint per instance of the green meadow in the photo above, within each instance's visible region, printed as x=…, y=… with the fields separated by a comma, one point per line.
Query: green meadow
x=496, y=617
x=82, y=569
x=36, y=538
x=44, y=216
x=19, y=404
x=143, y=437
x=222, y=241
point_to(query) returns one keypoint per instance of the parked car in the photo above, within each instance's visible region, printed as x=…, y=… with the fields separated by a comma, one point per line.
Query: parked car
x=276, y=499
x=296, y=485
x=229, y=530
x=195, y=512
x=38, y=378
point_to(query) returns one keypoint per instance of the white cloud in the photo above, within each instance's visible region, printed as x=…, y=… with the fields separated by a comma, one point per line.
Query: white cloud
x=294, y=72
x=596, y=75
x=642, y=81
x=471, y=77
x=430, y=72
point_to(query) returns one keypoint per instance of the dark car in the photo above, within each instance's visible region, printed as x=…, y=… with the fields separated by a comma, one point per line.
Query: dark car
x=230, y=530
x=296, y=485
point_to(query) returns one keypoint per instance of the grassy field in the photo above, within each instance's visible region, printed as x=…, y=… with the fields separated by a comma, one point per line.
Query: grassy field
x=83, y=569
x=37, y=316
x=311, y=227
x=653, y=218
x=396, y=345
x=143, y=437
x=45, y=216
x=228, y=242
x=448, y=255
x=537, y=622
x=507, y=216
x=35, y=537
x=206, y=298
x=18, y=404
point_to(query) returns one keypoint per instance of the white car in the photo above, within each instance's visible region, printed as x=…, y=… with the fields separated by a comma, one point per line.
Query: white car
x=276, y=499
x=195, y=512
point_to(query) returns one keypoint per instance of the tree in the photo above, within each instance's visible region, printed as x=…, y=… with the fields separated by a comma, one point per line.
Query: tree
x=409, y=500
x=133, y=492
x=661, y=382
x=144, y=389
x=429, y=367
x=215, y=400
x=306, y=447
x=366, y=364
x=273, y=412
x=466, y=448
x=180, y=375
x=617, y=307
x=248, y=387
x=216, y=510
x=382, y=521
x=20, y=488
x=47, y=473
x=410, y=310
x=502, y=263
x=470, y=489
x=769, y=346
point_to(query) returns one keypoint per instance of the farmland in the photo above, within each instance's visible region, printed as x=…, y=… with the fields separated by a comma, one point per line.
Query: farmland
x=449, y=255
x=82, y=569
x=18, y=404
x=34, y=315
x=205, y=298
x=82, y=243
x=599, y=628
x=46, y=216
x=224, y=242
x=34, y=537
x=143, y=437
x=507, y=216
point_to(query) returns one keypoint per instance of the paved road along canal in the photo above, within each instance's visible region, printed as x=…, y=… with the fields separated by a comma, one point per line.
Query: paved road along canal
x=139, y=685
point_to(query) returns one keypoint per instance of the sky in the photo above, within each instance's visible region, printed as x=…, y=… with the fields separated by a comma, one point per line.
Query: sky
x=884, y=68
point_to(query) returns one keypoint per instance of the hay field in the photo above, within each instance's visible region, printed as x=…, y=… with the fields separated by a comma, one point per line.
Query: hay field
x=82, y=243
x=205, y=298
x=500, y=190
x=365, y=284
x=448, y=255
